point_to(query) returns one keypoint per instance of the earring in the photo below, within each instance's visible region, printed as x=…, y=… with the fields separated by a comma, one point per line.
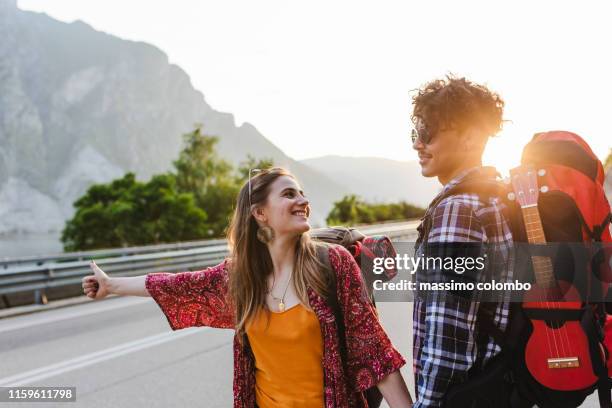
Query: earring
x=265, y=234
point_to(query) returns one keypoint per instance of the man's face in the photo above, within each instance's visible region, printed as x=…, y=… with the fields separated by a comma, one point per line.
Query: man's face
x=442, y=155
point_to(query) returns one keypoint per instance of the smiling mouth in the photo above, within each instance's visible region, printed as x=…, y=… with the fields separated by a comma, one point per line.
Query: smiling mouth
x=300, y=213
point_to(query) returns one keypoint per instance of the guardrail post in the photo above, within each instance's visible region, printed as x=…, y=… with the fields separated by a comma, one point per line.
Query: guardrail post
x=40, y=297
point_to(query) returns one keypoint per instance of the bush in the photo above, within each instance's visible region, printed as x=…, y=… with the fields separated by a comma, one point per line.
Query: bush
x=127, y=213
x=352, y=210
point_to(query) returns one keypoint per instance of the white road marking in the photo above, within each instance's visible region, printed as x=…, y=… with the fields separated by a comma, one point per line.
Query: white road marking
x=41, y=318
x=52, y=370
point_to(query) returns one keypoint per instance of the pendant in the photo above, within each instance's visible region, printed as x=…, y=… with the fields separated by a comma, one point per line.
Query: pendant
x=281, y=306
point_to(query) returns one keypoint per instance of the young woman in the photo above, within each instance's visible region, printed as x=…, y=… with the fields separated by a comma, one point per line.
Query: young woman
x=272, y=291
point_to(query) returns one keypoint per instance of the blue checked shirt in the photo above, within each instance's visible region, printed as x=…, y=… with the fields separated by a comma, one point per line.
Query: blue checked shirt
x=446, y=344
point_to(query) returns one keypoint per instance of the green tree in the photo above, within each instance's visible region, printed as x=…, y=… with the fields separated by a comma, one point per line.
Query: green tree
x=194, y=202
x=252, y=163
x=93, y=225
x=168, y=215
x=211, y=180
x=344, y=211
x=126, y=212
x=198, y=168
x=219, y=200
x=409, y=211
x=352, y=210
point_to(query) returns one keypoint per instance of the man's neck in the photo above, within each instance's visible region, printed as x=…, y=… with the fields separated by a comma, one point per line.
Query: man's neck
x=447, y=177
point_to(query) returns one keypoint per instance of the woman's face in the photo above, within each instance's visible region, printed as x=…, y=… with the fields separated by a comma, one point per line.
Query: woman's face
x=287, y=209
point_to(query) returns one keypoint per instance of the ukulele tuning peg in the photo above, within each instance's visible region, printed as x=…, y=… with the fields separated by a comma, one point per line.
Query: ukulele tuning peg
x=511, y=196
x=541, y=172
x=544, y=189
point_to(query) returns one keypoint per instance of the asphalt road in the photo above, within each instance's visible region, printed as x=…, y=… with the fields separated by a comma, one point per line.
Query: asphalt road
x=121, y=352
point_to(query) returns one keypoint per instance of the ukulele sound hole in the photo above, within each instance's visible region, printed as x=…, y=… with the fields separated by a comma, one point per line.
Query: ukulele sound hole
x=555, y=324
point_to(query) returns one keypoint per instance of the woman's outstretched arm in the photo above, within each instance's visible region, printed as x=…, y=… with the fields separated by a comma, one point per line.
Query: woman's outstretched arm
x=187, y=299
x=99, y=285
x=128, y=286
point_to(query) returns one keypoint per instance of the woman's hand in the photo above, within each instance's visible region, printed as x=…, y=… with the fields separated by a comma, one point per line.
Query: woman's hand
x=99, y=285
x=96, y=286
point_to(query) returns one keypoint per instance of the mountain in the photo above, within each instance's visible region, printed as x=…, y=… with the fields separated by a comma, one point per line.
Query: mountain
x=78, y=106
x=378, y=180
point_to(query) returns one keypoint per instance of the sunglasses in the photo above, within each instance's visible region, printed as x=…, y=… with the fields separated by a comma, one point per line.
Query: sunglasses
x=251, y=172
x=421, y=133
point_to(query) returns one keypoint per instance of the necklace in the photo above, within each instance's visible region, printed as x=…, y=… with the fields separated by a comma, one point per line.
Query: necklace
x=281, y=301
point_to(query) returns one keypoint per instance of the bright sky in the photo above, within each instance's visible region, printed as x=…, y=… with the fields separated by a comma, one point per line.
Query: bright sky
x=333, y=77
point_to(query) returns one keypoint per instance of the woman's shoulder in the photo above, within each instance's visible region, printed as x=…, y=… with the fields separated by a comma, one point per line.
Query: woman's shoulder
x=340, y=258
x=339, y=251
x=332, y=251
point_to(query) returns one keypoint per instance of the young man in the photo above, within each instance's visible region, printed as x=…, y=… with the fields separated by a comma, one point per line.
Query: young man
x=453, y=119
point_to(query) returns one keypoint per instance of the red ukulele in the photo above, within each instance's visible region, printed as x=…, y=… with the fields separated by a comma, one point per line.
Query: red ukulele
x=557, y=352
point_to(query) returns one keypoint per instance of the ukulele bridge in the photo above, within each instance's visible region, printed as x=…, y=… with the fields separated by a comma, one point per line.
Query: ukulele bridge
x=564, y=362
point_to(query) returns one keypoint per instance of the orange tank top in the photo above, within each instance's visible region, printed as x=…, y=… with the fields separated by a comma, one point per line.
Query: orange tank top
x=288, y=350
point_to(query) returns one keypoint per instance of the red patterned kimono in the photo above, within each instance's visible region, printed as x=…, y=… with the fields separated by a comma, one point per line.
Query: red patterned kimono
x=199, y=299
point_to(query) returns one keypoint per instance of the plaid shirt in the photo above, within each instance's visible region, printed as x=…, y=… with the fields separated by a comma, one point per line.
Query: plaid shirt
x=446, y=342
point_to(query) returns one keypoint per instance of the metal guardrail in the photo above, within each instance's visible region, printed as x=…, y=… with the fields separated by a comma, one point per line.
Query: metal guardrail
x=7, y=262
x=56, y=272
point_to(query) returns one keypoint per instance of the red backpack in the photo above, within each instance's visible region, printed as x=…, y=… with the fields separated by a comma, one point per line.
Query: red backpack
x=554, y=354
x=563, y=348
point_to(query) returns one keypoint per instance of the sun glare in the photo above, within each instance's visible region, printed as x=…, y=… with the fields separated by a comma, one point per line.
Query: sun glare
x=504, y=150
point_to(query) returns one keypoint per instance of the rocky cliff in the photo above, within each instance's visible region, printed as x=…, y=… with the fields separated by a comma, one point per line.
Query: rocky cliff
x=78, y=106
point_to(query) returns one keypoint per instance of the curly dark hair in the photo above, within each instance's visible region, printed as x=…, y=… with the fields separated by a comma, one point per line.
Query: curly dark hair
x=458, y=103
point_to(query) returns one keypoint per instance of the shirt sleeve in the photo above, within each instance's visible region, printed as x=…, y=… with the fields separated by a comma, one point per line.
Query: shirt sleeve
x=190, y=299
x=370, y=354
x=449, y=346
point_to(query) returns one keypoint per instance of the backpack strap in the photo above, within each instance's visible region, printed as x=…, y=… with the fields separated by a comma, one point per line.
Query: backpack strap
x=484, y=188
x=332, y=298
x=598, y=230
x=485, y=318
x=372, y=395
x=480, y=183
